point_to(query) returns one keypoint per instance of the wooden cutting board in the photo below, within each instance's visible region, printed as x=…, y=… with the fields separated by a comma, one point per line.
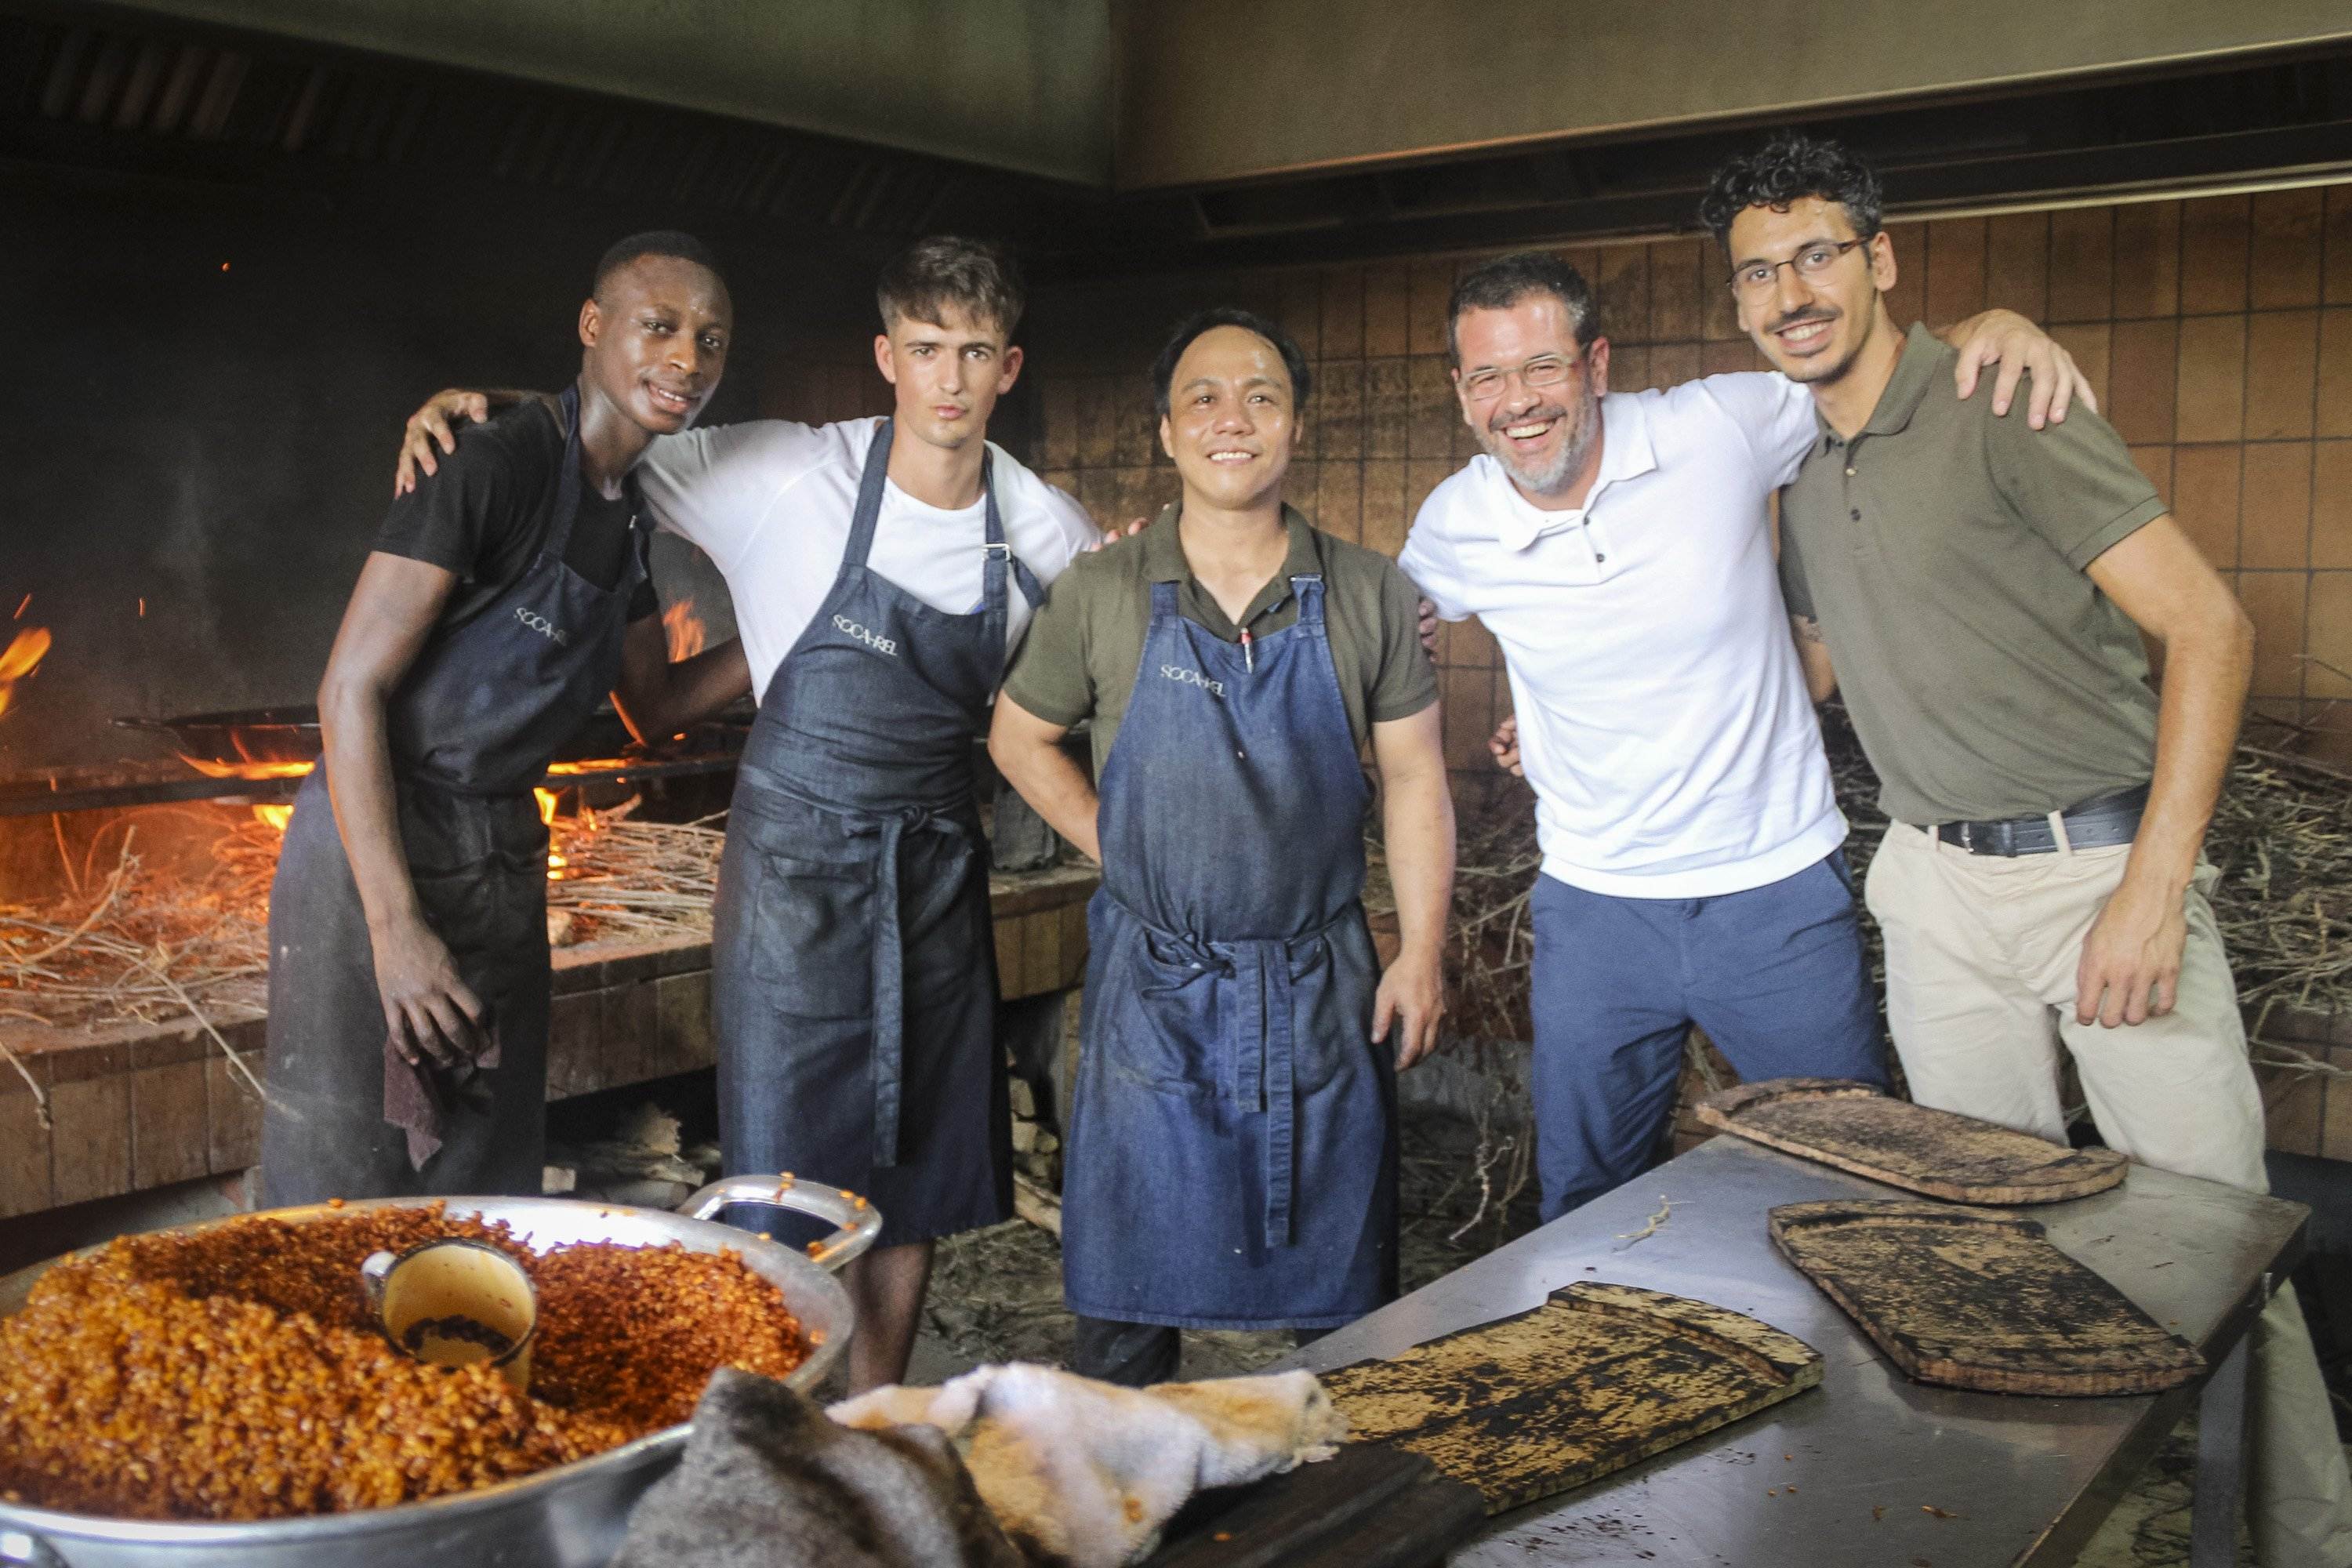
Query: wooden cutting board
x=1939, y=1152
x=1369, y=1507
x=1975, y=1299
x=1598, y=1377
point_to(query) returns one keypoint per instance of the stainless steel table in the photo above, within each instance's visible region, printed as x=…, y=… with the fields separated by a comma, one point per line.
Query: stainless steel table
x=2016, y=1480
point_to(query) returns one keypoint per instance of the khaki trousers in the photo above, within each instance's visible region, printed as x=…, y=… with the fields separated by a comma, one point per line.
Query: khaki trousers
x=1981, y=959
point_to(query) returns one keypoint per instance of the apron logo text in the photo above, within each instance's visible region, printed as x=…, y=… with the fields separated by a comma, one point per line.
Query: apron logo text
x=1183, y=677
x=544, y=627
x=874, y=640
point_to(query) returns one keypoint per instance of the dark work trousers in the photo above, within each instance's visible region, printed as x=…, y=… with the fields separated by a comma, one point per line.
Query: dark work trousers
x=1136, y=1355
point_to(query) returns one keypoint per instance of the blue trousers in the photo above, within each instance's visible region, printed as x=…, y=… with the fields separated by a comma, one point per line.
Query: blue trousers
x=1774, y=974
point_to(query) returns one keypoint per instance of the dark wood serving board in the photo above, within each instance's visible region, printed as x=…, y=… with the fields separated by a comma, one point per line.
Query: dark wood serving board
x=1975, y=1299
x=1598, y=1377
x=1939, y=1152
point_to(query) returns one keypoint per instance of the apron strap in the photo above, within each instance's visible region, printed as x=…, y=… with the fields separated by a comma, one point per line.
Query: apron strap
x=567, y=474
x=1308, y=589
x=869, y=497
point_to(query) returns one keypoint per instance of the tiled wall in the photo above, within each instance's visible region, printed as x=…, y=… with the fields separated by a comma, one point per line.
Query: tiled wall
x=2218, y=332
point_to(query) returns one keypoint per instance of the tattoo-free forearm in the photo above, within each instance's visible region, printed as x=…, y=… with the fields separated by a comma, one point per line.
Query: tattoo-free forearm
x=1028, y=752
x=2206, y=672
x=657, y=699
x=357, y=754
x=1417, y=826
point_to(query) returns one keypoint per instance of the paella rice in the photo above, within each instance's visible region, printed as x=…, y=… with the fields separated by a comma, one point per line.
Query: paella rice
x=236, y=1373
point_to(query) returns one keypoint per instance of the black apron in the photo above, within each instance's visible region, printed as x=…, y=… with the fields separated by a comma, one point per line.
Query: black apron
x=472, y=726
x=854, y=969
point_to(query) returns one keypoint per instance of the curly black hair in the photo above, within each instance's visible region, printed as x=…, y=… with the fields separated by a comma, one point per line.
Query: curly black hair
x=1785, y=170
x=1293, y=359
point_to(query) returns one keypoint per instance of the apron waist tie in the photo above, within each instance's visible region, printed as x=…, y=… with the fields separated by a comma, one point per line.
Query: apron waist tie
x=1258, y=1044
x=889, y=941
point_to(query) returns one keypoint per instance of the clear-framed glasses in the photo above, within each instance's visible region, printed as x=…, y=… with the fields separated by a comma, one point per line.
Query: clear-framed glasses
x=1544, y=369
x=1813, y=261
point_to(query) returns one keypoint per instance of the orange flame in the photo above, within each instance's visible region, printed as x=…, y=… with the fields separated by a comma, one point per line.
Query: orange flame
x=246, y=769
x=686, y=632
x=276, y=816
x=16, y=661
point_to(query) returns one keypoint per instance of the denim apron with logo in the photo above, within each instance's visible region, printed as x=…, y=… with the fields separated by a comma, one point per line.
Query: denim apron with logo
x=472, y=727
x=1233, y=1154
x=854, y=967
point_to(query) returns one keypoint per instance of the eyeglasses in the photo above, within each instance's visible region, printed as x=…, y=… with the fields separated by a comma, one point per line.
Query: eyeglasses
x=1544, y=369
x=1813, y=261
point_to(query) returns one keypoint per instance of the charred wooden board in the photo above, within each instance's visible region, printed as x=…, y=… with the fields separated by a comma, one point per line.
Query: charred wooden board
x=1939, y=1152
x=1371, y=1506
x=1597, y=1378
x=1973, y=1299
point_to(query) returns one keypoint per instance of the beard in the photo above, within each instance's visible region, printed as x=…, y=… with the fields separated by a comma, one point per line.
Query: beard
x=1822, y=368
x=1546, y=476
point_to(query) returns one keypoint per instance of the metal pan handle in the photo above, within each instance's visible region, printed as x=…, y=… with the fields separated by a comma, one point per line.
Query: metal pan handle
x=22, y=1547
x=859, y=1221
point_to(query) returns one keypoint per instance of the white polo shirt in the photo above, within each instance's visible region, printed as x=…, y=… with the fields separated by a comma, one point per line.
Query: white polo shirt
x=770, y=501
x=1663, y=715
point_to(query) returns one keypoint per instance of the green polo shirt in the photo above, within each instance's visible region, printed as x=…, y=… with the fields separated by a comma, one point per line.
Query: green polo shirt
x=1085, y=645
x=1943, y=551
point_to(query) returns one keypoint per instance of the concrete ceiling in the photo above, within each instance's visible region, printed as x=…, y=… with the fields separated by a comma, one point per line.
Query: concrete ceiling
x=1152, y=95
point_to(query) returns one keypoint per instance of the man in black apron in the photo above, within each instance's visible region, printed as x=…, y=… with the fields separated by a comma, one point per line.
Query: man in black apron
x=409, y=970
x=1233, y=1141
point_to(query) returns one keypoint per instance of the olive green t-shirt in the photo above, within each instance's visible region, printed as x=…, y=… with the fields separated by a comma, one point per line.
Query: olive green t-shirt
x=1943, y=552
x=1085, y=645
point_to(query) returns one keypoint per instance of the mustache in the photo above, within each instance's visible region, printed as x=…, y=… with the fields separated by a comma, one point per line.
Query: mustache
x=1809, y=313
x=1499, y=422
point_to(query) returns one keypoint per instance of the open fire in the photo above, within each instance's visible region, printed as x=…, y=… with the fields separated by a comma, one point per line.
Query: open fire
x=18, y=659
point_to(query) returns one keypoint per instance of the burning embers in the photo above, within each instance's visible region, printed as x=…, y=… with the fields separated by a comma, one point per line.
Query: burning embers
x=684, y=628
x=19, y=657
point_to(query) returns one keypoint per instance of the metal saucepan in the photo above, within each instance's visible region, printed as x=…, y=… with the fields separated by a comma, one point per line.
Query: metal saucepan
x=571, y=1515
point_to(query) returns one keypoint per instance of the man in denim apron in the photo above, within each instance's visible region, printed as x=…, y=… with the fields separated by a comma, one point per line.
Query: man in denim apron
x=1232, y=1137
x=407, y=918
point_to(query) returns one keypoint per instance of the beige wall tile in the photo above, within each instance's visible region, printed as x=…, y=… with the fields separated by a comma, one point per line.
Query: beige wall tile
x=1674, y=308
x=2331, y=504
x=1621, y=276
x=2273, y=601
x=2017, y=263
x=2327, y=637
x=2333, y=413
x=2148, y=259
x=1430, y=429
x=2336, y=257
x=1340, y=501
x=1343, y=312
x=2211, y=399
x=1907, y=301
x=2214, y=236
x=1339, y=409
x=1671, y=364
x=1388, y=407
x=1385, y=519
x=2274, y=506
x=1302, y=311
x=1468, y=696
x=1420, y=479
x=2143, y=376
x=2081, y=264
x=1629, y=367
x=2281, y=368
x=2089, y=342
x=2284, y=266
x=2205, y=498
x=2155, y=463
x=1433, y=283
x=1388, y=310
x=1955, y=270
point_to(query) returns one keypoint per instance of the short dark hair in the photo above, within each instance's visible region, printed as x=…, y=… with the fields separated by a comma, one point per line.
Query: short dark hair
x=654, y=242
x=1499, y=284
x=1785, y=170
x=1293, y=359
x=979, y=278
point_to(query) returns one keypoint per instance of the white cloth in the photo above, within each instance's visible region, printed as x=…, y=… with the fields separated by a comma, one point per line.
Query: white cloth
x=1663, y=715
x=770, y=502
x=1087, y=1474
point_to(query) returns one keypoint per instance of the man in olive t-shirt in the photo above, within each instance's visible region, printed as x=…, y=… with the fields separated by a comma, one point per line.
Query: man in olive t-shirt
x=1239, y=1026
x=1981, y=592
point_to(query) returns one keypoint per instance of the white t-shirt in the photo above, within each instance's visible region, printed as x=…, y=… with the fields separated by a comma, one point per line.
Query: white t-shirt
x=1663, y=715
x=770, y=502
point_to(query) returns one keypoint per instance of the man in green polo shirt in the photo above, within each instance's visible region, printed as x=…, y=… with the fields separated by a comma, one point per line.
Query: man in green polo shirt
x=1981, y=592
x=1232, y=1155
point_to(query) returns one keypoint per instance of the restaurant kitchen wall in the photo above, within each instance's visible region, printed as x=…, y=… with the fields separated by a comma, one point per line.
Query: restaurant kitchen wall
x=2217, y=332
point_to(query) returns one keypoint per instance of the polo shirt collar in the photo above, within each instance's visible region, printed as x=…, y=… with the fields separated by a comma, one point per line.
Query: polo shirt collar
x=1626, y=452
x=1163, y=548
x=1923, y=355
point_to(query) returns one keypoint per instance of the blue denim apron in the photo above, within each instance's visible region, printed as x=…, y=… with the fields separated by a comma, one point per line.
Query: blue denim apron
x=854, y=966
x=1233, y=1151
x=472, y=727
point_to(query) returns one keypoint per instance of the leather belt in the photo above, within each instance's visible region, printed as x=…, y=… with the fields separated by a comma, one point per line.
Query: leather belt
x=2094, y=823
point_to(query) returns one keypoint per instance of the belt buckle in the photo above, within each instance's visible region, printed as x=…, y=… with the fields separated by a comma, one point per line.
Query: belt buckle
x=1969, y=836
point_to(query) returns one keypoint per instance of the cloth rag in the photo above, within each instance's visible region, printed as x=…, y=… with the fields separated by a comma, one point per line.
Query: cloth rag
x=766, y=1482
x=418, y=1095
x=1084, y=1474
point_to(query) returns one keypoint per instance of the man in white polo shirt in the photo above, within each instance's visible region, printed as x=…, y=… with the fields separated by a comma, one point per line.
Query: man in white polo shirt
x=1619, y=548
